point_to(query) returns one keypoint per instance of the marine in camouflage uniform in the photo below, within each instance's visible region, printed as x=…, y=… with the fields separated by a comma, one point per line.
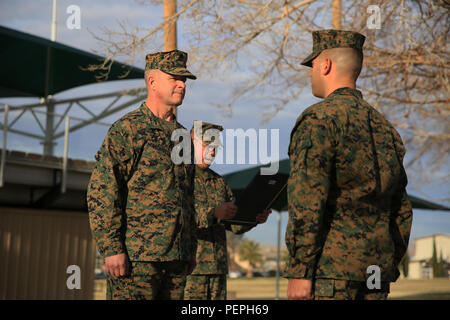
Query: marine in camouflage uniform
x=140, y=203
x=208, y=280
x=348, y=208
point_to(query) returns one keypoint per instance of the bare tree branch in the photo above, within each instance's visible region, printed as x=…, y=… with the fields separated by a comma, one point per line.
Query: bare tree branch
x=406, y=60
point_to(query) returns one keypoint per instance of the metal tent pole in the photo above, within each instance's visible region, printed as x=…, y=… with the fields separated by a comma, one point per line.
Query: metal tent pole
x=277, y=286
x=65, y=157
x=49, y=130
x=54, y=18
x=5, y=130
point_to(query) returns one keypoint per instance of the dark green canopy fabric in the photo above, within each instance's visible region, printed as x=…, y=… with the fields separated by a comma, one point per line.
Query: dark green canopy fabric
x=36, y=67
x=239, y=180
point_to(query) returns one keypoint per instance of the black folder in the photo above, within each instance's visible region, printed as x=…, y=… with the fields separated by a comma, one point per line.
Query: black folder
x=260, y=194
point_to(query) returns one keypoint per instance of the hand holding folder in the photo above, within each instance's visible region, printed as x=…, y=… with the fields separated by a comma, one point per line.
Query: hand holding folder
x=258, y=197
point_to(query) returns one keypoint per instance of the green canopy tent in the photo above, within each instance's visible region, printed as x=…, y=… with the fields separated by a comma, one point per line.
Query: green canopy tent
x=37, y=67
x=239, y=180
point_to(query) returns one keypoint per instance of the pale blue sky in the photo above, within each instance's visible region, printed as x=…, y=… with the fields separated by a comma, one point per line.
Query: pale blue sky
x=35, y=17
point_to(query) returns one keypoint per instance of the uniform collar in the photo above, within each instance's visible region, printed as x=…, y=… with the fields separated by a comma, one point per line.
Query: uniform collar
x=346, y=91
x=154, y=120
x=202, y=173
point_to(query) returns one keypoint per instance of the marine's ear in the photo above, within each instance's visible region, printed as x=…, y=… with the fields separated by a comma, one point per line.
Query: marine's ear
x=325, y=66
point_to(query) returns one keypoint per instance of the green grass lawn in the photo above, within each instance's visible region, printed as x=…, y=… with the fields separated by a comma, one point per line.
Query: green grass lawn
x=403, y=289
x=264, y=288
x=433, y=289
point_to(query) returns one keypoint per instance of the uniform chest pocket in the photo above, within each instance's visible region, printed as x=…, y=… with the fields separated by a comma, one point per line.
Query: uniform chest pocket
x=157, y=148
x=153, y=159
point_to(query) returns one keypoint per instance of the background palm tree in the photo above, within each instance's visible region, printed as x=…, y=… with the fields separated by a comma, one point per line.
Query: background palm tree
x=249, y=251
x=233, y=243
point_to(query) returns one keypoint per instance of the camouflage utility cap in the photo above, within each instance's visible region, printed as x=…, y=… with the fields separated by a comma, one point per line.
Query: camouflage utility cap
x=171, y=62
x=329, y=39
x=200, y=128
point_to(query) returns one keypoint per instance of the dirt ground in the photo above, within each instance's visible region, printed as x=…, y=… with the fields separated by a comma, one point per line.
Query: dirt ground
x=264, y=288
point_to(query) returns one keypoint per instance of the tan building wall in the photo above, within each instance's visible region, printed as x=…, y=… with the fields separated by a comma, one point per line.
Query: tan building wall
x=242, y=263
x=37, y=246
x=419, y=267
x=424, y=247
x=415, y=270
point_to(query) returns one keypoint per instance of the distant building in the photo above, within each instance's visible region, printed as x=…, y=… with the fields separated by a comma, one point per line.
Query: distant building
x=419, y=265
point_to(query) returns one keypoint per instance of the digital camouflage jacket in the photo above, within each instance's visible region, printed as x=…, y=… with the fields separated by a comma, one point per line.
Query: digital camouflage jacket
x=211, y=191
x=348, y=208
x=139, y=201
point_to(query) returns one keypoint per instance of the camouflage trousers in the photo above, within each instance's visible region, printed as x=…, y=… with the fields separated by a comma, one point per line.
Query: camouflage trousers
x=206, y=287
x=334, y=289
x=149, y=281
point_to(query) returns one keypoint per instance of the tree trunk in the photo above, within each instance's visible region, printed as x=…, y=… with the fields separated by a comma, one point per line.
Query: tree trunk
x=336, y=11
x=250, y=271
x=170, y=29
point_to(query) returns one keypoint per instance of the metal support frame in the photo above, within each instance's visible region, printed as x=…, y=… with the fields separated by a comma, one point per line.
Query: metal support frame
x=49, y=132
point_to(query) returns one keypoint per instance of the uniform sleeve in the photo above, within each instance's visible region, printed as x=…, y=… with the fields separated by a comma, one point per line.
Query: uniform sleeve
x=105, y=195
x=402, y=215
x=401, y=226
x=192, y=221
x=311, y=154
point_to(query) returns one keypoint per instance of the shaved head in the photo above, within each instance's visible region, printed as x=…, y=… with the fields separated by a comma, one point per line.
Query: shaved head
x=335, y=68
x=348, y=61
